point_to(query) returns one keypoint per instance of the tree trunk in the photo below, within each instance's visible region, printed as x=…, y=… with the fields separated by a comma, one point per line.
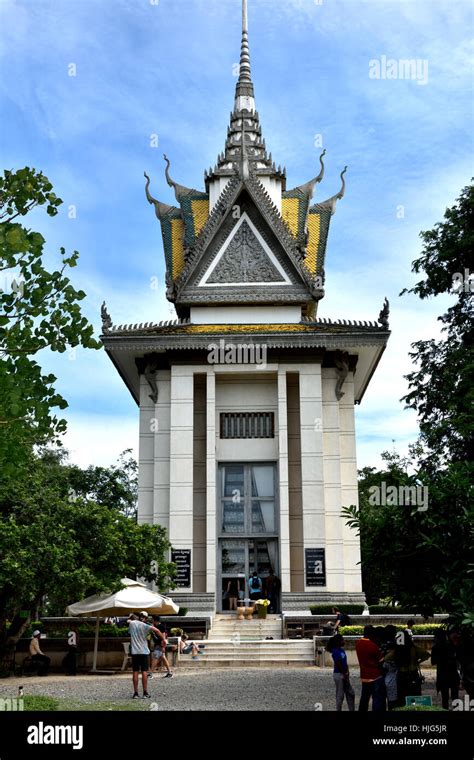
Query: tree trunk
x=9, y=637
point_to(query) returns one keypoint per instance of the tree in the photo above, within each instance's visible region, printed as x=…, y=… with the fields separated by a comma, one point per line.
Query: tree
x=58, y=544
x=389, y=519
x=39, y=309
x=425, y=558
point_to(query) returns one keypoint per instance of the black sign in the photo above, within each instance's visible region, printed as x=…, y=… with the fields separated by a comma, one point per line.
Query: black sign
x=315, y=567
x=182, y=559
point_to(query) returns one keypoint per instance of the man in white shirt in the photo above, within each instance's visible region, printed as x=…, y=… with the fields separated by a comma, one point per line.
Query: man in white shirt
x=38, y=656
x=140, y=650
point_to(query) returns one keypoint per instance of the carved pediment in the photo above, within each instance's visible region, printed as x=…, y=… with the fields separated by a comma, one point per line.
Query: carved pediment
x=245, y=259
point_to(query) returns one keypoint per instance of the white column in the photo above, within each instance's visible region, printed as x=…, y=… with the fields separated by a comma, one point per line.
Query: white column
x=181, y=459
x=211, y=483
x=332, y=483
x=312, y=475
x=146, y=451
x=283, y=483
x=161, y=427
x=349, y=487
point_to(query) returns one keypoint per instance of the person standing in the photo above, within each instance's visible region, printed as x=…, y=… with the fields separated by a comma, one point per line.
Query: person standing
x=37, y=656
x=160, y=647
x=273, y=591
x=341, y=673
x=408, y=657
x=139, y=630
x=72, y=645
x=255, y=587
x=444, y=656
x=390, y=667
x=370, y=659
x=232, y=591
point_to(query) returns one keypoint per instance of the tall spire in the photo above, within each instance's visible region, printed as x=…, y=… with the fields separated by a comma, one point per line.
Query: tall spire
x=244, y=93
x=245, y=149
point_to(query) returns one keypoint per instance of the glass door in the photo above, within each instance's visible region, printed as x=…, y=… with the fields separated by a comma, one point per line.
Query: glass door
x=248, y=535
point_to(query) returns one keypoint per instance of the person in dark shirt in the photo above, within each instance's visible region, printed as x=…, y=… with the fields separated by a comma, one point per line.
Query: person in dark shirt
x=444, y=656
x=341, y=673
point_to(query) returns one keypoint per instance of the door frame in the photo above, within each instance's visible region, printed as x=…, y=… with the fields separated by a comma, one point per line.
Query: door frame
x=246, y=537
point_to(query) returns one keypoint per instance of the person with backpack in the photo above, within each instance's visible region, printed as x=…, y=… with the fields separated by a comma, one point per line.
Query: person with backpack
x=255, y=587
x=341, y=673
x=341, y=619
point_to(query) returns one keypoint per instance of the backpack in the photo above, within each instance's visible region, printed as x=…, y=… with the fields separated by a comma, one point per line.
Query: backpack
x=345, y=619
x=255, y=583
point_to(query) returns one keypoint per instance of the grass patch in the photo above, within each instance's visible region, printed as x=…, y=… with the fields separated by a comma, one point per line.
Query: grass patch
x=74, y=705
x=34, y=703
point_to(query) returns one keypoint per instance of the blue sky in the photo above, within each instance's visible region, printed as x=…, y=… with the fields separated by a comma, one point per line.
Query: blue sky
x=167, y=68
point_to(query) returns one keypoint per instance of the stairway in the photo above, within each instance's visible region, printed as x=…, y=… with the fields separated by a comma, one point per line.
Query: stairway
x=243, y=643
x=252, y=654
x=227, y=627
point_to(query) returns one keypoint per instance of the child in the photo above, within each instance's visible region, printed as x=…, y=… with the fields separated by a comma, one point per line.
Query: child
x=341, y=672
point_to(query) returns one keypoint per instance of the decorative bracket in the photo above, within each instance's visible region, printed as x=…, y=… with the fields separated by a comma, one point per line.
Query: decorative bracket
x=341, y=360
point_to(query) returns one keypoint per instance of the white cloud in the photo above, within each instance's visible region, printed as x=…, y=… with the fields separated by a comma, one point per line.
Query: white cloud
x=99, y=439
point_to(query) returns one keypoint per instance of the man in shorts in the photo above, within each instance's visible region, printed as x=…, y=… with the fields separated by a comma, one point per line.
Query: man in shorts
x=140, y=651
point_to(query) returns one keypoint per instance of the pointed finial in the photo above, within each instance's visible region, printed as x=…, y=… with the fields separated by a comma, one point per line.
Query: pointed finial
x=330, y=204
x=106, y=318
x=179, y=190
x=244, y=94
x=160, y=208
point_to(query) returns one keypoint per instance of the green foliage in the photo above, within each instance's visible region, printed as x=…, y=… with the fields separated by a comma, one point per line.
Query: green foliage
x=327, y=609
x=57, y=548
x=424, y=558
x=176, y=632
x=33, y=703
x=182, y=611
x=424, y=629
x=39, y=309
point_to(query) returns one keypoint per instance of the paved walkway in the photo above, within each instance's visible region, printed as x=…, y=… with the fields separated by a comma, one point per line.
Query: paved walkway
x=214, y=689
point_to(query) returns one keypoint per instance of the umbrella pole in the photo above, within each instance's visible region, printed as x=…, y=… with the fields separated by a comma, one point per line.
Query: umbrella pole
x=96, y=644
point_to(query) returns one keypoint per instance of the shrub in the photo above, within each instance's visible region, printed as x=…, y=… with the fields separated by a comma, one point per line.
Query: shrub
x=176, y=632
x=390, y=609
x=41, y=704
x=182, y=611
x=428, y=629
x=326, y=609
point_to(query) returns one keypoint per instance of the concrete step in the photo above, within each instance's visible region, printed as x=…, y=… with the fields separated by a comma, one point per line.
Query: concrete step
x=245, y=663
x=226, y=653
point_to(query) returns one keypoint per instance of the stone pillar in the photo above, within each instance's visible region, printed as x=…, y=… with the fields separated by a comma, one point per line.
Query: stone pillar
x=161, y=426
x=349, y=487
x=312, y=459
x=332, y=483
x=181, y=458
x=283, y=483
x=211, y=528
x=146, y=453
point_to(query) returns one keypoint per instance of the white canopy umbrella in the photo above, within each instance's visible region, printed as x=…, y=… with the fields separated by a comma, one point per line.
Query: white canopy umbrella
x=134, y=597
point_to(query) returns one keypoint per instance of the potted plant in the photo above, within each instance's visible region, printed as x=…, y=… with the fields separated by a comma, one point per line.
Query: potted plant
x=262, y=608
